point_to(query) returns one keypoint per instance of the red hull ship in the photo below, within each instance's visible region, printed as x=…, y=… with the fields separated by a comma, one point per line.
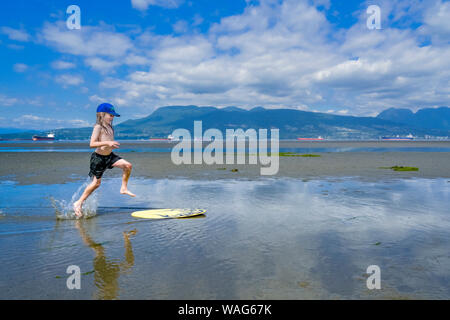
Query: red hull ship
x=49, y=137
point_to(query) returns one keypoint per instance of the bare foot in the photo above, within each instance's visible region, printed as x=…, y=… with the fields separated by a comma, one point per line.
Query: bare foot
x=77, y=209
x=126, y=191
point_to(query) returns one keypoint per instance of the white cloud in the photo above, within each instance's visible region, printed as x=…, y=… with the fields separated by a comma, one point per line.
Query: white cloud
x=69, y=80
x=20, y=67
x=180, y=26
x=143, y=5
x=84, y=89
x=189, y=51
x=101, y=65
x=248, y=59
x=136, y=60
x=197, y=20
x=37, y=101
x=15, y=34
x=102, y=47
x=62, y=65
x=88, y=41
x=96, y=99
x=6, y=101
x=437, y=22
x=275, y=54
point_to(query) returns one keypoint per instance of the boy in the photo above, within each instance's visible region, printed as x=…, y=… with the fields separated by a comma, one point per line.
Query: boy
x=103, y=158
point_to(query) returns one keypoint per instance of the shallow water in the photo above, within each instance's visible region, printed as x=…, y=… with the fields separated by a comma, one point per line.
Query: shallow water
x=266, y=239
x=127, y=146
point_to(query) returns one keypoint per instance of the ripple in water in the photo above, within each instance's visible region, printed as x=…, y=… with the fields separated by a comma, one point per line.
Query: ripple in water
x=64, y=210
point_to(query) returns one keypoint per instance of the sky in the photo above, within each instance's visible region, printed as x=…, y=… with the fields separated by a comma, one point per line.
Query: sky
x=313, y=55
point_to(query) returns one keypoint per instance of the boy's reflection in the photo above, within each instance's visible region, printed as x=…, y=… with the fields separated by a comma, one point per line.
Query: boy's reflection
x=107, y=271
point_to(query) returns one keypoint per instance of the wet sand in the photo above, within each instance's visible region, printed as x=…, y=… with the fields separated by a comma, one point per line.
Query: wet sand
x=60, y=167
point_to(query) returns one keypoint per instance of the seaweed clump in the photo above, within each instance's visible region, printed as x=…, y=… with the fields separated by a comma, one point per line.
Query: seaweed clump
x=401, y=168
x=292, y=154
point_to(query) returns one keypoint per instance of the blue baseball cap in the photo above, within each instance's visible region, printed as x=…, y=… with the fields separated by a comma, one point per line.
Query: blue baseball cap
x=108, y=108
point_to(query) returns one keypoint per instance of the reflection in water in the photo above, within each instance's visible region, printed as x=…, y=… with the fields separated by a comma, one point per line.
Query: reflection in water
x=266, y=239
x=107, y=271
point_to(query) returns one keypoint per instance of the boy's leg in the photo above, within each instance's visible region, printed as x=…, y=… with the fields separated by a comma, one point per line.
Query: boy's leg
x=126, y=167
x=87, y=192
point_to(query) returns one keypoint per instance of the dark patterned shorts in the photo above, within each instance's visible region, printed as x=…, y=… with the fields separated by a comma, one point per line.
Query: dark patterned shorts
x=100, y=163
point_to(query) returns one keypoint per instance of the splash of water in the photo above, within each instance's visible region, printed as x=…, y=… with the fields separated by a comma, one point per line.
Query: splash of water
x=64, y=210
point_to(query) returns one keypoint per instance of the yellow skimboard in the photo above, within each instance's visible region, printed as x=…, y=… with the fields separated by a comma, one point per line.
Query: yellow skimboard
x=167, y=213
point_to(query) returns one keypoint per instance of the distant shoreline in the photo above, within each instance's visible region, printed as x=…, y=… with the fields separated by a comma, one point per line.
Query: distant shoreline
x=173, y=141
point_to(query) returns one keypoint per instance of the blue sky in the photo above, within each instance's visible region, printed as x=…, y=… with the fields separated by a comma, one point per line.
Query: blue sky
x=314, y=55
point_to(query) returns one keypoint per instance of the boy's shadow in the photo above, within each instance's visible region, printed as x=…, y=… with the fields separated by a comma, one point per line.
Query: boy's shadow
x=107, y=271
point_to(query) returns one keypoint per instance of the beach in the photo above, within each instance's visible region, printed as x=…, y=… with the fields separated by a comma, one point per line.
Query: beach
x=47, y=163
x=308, y=232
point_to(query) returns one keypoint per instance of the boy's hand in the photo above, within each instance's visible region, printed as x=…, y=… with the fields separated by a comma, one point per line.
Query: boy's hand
x=113, y=144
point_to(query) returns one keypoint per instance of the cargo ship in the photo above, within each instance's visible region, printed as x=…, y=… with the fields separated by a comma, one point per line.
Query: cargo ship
x=409, y=137
x=159, y=139
x=48, y=137
x=319, y=138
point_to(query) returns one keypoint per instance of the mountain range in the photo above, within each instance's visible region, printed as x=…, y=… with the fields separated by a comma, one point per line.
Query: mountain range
x=430, y=118
x=291, y=123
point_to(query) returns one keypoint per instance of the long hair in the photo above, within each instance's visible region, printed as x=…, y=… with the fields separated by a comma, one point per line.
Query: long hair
x=100, y=121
